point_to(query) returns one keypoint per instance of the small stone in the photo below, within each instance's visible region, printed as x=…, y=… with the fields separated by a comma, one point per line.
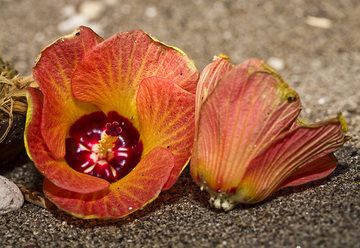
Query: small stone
x=322, y=101
x=217, y=203
x=227, y=205
x=319, y=22
x=92, y=9
x=77, y=20
x=11, y=197
x=151, y=12
x=71, y=23
x=276, y=63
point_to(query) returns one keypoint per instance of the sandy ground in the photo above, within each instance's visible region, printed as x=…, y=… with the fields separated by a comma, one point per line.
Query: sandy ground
x=320, y=60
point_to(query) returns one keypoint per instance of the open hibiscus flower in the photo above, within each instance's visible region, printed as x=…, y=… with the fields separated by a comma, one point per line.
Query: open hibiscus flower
x=113, y=123
x=249, y=140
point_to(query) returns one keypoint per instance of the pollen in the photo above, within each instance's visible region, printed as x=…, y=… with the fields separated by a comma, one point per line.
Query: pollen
x=106, y=144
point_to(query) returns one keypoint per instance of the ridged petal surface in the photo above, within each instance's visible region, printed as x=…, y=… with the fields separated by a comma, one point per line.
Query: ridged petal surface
x=319, y=168
x=53, y=72
x=166, y=116
x=110, y=74
x=288, y=157
x=209, y=78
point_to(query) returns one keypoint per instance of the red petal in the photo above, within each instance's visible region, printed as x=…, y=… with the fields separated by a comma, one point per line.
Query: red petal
x=248, y=109
x=109, y=76
x=166, y=116
x=57, y=171
x=315, y=170
x=134, y=191
x=289, y=156
x=53, y=72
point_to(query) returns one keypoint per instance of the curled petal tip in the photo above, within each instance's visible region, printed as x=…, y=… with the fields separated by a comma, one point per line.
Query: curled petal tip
x=209, y=79
x=343, y=122
x=221, y=56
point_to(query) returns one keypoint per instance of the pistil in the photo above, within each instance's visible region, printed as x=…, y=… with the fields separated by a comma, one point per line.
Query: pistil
x=108, y=138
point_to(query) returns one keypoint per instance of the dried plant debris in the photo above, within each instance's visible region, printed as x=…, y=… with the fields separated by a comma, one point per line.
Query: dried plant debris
x=7, y=70
x=12, y=111
x=10, y=196
x=36, y=197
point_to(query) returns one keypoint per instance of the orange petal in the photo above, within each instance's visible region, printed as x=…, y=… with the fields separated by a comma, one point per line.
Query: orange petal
x=166, y=115
x=134, y=191
x=315, y=170
x=53, y=72
x=209, y=78
x=290, y=156
x=109, y=75
x=57, y=171
x=248, y=109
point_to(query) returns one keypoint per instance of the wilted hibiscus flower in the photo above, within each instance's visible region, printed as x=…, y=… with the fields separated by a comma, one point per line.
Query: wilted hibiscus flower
x=249, y=139
x=113, y=124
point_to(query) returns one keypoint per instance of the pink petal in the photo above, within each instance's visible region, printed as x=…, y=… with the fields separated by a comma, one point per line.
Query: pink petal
x=290, y=156
x=209, y=78
x=248, y=109
x=319, y=168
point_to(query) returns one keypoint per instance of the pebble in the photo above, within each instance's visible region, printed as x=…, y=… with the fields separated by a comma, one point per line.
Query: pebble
x=151, y=12
x=322, y=100
x=92, y=9
x=11, y=197
x=319, y=22
x=88, y=13
x=276, y=63
x=72, y=22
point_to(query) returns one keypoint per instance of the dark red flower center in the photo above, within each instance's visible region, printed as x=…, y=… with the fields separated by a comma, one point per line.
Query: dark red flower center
x=103, y=146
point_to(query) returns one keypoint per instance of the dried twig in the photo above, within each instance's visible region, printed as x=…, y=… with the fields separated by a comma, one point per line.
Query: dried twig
x=36, y=197
x=12, y=94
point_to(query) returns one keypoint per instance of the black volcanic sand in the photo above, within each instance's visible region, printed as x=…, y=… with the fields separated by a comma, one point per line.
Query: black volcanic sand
x=322, y=64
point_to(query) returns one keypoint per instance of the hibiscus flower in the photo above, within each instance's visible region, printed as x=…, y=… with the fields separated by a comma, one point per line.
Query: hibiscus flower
x=113, y=122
